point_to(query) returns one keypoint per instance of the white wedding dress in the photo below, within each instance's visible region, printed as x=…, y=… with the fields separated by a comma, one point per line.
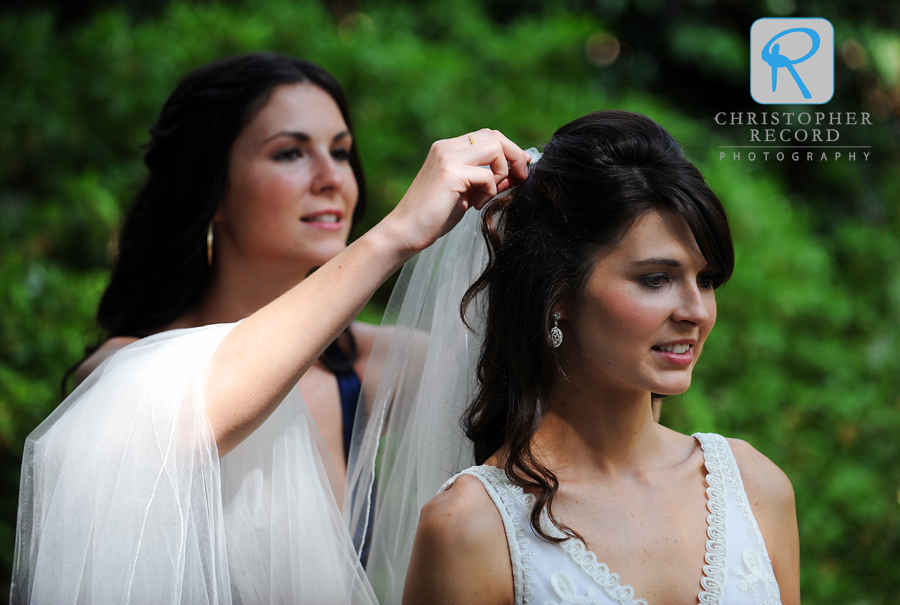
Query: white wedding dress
x=124, y=499
x=737, y=571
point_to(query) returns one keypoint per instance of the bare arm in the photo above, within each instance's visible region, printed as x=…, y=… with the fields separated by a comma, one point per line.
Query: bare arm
x=365, y=335
x=262, y=358
x=460, y=553
x=771, y=497
x=107, y=349
x=370, y=360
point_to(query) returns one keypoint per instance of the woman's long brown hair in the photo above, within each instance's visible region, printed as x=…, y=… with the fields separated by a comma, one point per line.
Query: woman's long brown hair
x=598, y=176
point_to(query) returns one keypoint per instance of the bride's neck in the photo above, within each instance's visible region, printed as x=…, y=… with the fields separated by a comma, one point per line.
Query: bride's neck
x=606, y=433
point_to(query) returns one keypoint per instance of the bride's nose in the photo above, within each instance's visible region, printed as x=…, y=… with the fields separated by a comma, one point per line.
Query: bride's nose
x=693, y=306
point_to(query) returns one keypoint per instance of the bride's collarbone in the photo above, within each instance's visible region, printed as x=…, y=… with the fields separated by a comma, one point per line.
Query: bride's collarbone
x=653, y=535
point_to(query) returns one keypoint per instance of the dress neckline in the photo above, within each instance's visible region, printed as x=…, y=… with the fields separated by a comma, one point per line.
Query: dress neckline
x=713, y=579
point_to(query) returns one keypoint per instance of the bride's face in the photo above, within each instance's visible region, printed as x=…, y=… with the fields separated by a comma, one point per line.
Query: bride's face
x=650, y=293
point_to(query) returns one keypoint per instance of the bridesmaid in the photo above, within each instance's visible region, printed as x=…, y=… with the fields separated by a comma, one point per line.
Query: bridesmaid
x=186, y=466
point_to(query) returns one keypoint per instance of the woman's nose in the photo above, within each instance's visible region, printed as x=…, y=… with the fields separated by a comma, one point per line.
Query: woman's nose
x=327, y=174
x=693, y=307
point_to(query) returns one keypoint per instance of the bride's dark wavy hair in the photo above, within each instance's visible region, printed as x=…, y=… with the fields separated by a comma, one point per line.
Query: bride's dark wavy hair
x=160, y=269
x=598, y=176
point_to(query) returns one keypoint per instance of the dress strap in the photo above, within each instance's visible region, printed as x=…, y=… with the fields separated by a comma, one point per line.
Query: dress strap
x=732, y=517
x=513, y=506
x=349, y=386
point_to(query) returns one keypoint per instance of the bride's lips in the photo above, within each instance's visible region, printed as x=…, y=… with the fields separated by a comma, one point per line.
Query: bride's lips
x=681, y=353
x=327, y=220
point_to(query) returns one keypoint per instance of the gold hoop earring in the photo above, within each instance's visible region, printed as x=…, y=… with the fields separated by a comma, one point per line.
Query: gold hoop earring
x=209, y=244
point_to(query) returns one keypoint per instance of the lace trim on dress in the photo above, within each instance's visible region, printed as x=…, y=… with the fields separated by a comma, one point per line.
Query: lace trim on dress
x=743, y=503
x=501, y=494
x=756, y=569
x=714, y=583
x=597, y=571
x=719, y=462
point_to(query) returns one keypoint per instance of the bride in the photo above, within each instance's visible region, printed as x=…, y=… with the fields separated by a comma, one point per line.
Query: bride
x=186, y=467
x=594, y=294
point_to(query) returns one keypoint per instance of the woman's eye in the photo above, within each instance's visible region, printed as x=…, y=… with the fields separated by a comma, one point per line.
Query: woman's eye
x=710, y=281
x=657, y=280
x=287, y=155
x=341, y=154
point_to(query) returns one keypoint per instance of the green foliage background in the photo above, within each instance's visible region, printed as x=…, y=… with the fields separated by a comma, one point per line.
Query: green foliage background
x=803, y=362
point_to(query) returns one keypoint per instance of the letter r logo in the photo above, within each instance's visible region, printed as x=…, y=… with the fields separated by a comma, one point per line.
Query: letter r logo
x=792, y=61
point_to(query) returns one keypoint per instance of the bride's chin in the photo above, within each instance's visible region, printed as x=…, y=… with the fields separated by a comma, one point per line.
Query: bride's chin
x=669, y=388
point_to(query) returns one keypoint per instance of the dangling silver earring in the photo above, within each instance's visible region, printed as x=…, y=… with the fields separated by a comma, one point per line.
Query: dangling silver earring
x=209, y=244
x=556, y=335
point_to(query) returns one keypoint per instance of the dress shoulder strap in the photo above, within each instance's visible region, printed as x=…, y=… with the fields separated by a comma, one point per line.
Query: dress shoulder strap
x=514, y=506
x=745, y=542
x=349, y=387
x=716, y=448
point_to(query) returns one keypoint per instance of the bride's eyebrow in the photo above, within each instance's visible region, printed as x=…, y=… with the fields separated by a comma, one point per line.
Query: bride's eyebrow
x=657, y=261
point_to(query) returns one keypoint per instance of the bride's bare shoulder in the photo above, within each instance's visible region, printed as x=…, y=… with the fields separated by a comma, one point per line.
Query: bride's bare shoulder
x=460, y=552
x=765, y=483
x=463, y=514
x=107, y=349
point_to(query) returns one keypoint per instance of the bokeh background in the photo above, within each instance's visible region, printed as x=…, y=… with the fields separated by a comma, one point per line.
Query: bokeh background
x=804, y=362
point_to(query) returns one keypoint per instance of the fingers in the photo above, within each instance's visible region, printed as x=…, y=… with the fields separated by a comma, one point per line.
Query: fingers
x=517, y=160
x=458, y=174
x=482, y=187
x=492, y=148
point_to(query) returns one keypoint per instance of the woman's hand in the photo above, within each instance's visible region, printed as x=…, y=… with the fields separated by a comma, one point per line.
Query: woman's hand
x=263, y=357
x=458, y=173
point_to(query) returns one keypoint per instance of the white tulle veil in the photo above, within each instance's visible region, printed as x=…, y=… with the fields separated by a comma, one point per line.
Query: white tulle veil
x=413, y=424
x=124, y=499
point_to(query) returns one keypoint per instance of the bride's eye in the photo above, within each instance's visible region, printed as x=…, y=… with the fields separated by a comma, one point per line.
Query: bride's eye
x=655, y=281
x=710, y=280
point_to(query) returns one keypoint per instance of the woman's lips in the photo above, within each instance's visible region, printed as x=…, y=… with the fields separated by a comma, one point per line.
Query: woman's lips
x=681, y=359
x=327, y=220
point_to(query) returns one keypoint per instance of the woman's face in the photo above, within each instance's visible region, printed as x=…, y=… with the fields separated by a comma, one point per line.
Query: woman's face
x=650, y=293
x=291, y=191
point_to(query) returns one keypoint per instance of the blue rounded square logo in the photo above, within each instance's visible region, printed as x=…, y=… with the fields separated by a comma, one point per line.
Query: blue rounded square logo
x=792, y=61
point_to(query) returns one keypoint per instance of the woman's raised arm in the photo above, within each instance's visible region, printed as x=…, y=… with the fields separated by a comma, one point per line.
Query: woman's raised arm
x=260, y=361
